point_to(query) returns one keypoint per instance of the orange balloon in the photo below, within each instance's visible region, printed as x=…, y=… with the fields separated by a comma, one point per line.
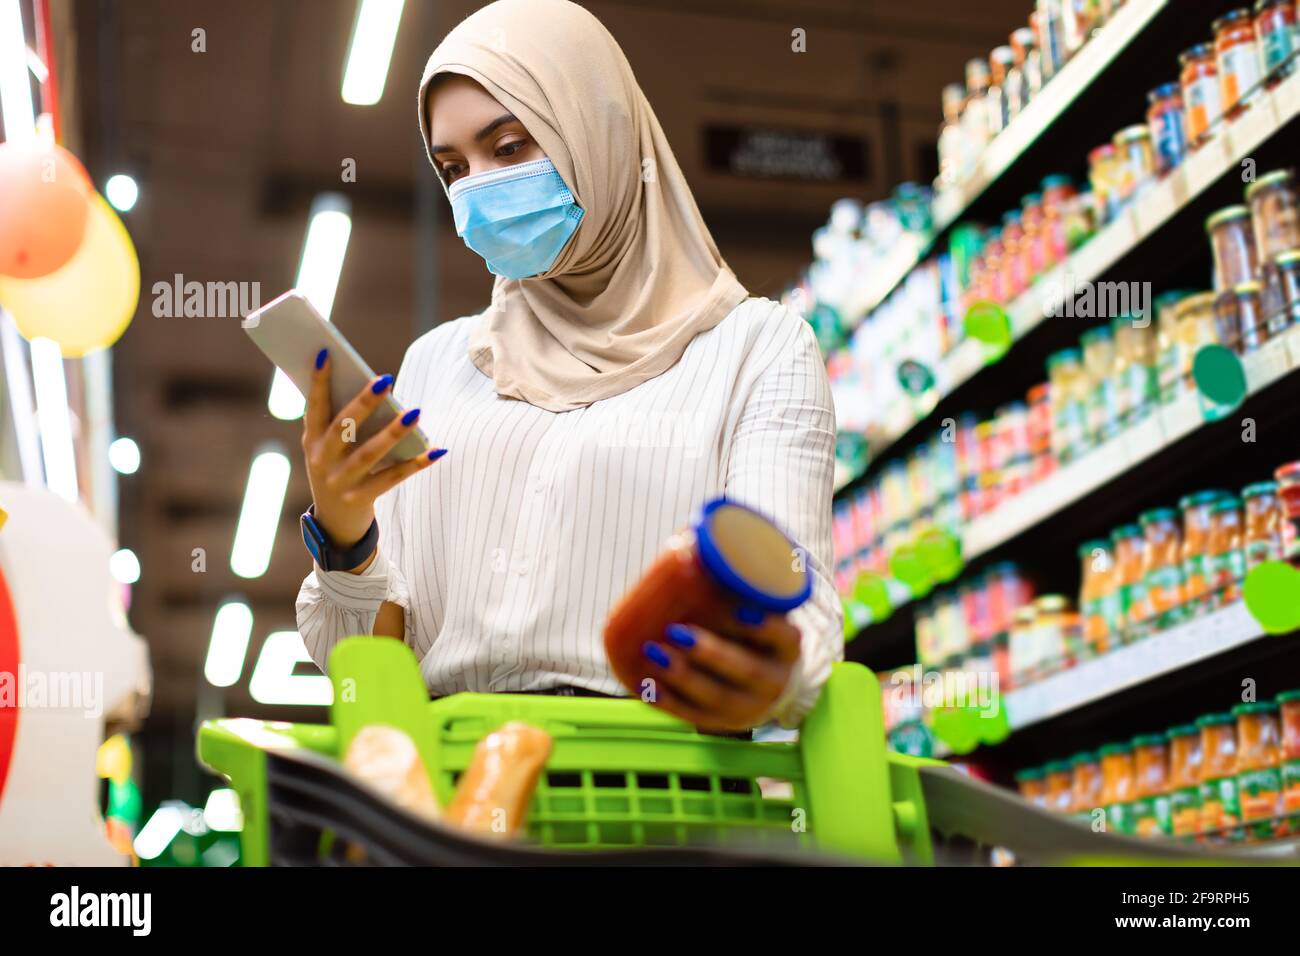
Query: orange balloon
x=86, y=304
x=44, y=202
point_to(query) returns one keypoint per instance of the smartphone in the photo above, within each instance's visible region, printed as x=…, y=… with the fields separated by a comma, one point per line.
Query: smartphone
x=290, y=332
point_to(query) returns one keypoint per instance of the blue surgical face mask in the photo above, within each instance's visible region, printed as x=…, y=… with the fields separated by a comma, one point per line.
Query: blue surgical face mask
x=518, y=218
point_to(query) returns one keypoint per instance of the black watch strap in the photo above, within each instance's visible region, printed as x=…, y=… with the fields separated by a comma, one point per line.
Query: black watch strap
x=327, y=554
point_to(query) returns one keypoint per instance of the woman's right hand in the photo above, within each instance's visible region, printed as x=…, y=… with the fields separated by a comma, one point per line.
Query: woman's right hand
x=339, y=470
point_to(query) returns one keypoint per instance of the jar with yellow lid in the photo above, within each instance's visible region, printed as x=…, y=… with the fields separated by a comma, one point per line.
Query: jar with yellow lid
x=1069, y=393
x=1135, y=161
x=1138, y=387
x=1232, y=242
x=1102, y=405
x=1196, y=327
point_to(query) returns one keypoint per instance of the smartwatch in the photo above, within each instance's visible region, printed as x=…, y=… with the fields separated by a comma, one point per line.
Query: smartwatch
x=324, y=552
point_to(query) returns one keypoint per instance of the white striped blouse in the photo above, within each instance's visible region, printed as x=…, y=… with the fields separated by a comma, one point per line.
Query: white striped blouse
x=509, y=552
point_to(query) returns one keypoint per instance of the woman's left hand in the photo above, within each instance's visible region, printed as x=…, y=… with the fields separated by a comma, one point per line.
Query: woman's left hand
x=723, y=681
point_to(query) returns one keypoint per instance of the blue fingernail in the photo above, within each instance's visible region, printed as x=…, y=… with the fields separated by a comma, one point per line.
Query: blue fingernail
x=382, y=384
x=680, y=635
x=750, y=614
x=321, y=356
x=655, y=654
x=410, y=416
x=436, y=454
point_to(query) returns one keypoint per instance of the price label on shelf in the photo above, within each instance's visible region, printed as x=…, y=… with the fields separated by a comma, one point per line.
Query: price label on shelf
x=1267, y=365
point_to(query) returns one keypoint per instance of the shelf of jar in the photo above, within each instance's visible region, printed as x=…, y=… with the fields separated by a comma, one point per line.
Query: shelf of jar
x=1167, y=425
x=1132, y=664
x=1092, y=59
x=1139, y=222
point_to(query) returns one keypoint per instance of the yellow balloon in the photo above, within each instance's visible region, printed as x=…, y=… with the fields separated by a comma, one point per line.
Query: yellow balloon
x=86, y=304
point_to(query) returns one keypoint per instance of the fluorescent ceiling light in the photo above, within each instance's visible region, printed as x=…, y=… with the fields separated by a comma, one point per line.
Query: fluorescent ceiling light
x=124, y=456
x=371, y=51
x=53, y=418
x=228, y=645
x=15, y=85
x=158, y=833
x=259, y=518
x=18, y=386
x=323, y=251
x=124, y=566
x=274, y=680
x=122, y=191
x=222, y=812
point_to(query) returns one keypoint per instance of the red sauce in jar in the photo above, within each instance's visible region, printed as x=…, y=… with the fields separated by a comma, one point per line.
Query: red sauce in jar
x=734, y=564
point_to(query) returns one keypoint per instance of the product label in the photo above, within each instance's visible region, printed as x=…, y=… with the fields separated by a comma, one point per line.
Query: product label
x=1165, y=595
x=1119, y=818
x=1140, y=390
x=1103, y=410
x=1226, y=570
x=1201, y=98
x=1276, y=40
x=1258, y=552
x=1185, y=811
x=1260, y=794
x=1291, y=786
x=1239, y=73
x=1169, y=139
x=1150, y=816
x=1069, y=433
x=1220, y=809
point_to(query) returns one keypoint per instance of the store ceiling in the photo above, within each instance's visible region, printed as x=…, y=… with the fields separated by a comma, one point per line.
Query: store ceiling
x=230, y=144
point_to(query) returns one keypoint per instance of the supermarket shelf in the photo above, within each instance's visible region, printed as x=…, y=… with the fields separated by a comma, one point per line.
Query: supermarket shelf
x=1220, y=157
x=1171, y=424
x=1043, y=110
x=1128, y=666
x=1002, y=153
x=1150, y=443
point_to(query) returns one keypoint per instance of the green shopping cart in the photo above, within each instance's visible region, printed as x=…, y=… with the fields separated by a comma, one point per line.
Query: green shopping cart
x=627, y=783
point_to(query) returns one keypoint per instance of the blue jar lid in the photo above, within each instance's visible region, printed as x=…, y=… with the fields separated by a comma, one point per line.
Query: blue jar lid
x=763, y=539
x=1164, y=91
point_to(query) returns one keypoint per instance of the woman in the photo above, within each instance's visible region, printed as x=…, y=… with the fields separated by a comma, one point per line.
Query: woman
x=620, y=378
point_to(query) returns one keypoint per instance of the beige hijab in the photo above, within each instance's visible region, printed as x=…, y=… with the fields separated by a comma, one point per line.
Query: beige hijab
x=641, y=276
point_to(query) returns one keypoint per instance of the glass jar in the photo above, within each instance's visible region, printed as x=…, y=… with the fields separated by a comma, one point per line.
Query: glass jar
x=1251, y=320
x=1238, y=61
x=1263, y=518
x=1031, y=245
x=1086, y=783
x=1286, y=276
x=1061, y=218
x=1192, y=327
x=1184, y=779
x=1233, y=245
x=1118, y=786
x=1138, y=387
x=1048, y=20
x=1202, y=104
x=1098, y=596
x=1103, y=177
x=1288, y=489
x=1259, y=767
x=1167, y=126
x=1057, y=631
x=1001, y=60
x=1136, y=161
x=1196, y=509
x=1040, y=429
x=1017, y=82
x=1130, y=584
x=975, y=112
x=1059, y=784
x=1225, y=559
x=1162, y=569
x=1103, y=419
x=732, y=562
x=1274, y=213
x=1289, y=703
x=1220, y=810
x=1032, y=784
x=1069, y=391
x=1227, y=320
x=951, y=99
x=1013, y=280
x=993, y=272
x=1278, y=34
x=1023, y=651
x=1150, y=807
